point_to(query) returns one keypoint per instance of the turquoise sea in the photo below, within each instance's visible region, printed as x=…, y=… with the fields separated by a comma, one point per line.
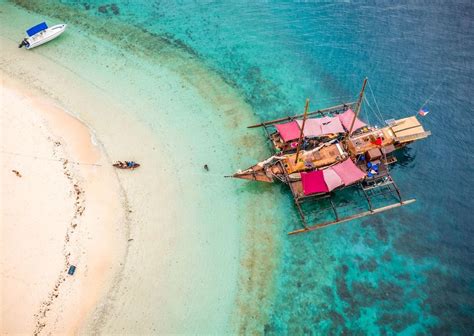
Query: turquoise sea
x=407, y=271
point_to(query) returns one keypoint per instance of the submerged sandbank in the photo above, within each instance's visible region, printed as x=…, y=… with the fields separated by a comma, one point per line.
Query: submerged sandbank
x=203, y=248
x=60, y=206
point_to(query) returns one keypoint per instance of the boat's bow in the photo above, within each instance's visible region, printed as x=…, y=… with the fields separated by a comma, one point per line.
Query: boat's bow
x=254, y=174
x=264, y=171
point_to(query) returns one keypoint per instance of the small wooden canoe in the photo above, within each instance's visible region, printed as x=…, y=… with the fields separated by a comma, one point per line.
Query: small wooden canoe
x=126, y=165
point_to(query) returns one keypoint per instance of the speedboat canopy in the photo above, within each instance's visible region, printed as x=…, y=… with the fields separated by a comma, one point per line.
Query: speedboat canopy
x=36, y=29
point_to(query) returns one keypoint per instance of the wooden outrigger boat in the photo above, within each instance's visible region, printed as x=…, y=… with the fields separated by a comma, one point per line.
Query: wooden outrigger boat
x=318, y=156
x=126, y=165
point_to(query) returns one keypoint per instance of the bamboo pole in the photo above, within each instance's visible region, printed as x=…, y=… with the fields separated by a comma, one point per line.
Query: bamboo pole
x=326, y=110
x=359, y=103
x=305, y=115
x=349, y=218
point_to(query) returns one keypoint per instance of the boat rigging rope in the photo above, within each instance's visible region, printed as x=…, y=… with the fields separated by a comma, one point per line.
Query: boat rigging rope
x=379, y=115
x=367, y=114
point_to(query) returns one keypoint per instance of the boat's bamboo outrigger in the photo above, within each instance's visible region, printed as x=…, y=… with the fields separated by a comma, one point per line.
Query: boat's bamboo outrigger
x=337, y=151
x=349, y=218
x=379, y=187
x=322, y=113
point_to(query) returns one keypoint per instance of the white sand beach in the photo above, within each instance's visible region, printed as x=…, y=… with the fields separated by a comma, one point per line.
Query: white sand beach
x=163, y=249
x=60, y=206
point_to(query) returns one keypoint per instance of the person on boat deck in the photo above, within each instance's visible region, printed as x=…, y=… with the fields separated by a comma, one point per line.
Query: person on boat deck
x=130, y=163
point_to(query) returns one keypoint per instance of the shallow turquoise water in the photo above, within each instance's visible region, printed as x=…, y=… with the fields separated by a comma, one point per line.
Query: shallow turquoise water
x=409, y=270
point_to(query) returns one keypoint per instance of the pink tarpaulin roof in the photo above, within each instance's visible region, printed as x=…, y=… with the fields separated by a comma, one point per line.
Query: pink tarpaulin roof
x=320, y=126
x=312, y=127
x=324, y=119
x=313, y=182
x=332, y=179
x=348, y=172
x=346, y=120
x=289, y=131
x=333, y=125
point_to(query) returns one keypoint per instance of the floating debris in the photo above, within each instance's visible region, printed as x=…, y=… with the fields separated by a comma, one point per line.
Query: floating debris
x=71, y=270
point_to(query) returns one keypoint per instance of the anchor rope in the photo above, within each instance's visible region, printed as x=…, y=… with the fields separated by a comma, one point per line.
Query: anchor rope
x=434, y=92
x=98, y=165
x=49, y=159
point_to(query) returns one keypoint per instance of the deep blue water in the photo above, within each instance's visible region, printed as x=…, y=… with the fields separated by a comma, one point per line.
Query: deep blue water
x=407, y=271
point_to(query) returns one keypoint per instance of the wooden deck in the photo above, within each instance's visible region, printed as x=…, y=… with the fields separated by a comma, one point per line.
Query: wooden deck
x=326, y=156
x=364, y=142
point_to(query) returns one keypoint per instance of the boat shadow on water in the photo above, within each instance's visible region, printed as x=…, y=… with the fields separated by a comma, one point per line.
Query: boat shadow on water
x=405, y=157
x=256, y=189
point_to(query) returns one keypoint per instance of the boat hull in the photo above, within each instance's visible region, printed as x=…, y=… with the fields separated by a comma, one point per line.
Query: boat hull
x=119, y=166
x=45, y=36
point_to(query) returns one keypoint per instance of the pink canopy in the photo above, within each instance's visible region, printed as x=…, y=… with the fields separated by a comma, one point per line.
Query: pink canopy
x=333, y=125
x=324, y=119
x=332, y=179
x=346, y=119
x=320, y=126
x=348, y=172
x=313, y=182
x=312, y=127
x=289, y=131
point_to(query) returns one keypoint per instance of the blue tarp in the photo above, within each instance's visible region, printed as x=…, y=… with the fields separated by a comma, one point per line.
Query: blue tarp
x=36, y=29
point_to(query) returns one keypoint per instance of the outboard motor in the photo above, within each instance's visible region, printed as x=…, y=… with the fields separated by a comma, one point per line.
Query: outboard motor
x=24, y=43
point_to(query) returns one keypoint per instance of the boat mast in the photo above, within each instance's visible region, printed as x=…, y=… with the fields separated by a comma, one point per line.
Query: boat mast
x=305, y=115
x=359, y=103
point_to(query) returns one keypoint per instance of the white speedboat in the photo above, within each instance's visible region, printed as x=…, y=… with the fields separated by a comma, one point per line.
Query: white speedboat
x=40, y=34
